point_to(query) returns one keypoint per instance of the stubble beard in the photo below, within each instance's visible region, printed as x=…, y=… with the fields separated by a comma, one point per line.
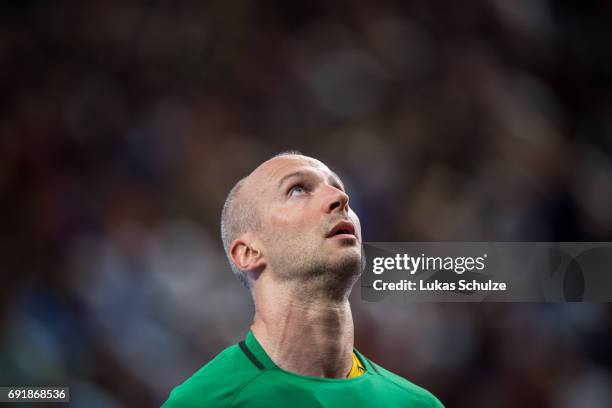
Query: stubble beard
x=314, y=273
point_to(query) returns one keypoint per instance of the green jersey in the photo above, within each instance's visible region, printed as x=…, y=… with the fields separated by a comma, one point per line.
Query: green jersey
x=244, y=376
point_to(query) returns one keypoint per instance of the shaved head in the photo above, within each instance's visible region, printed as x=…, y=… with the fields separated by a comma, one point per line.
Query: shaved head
x=240, y=215
x=281, y=223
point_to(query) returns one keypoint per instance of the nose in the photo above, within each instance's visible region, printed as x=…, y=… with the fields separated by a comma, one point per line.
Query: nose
x=337, y=201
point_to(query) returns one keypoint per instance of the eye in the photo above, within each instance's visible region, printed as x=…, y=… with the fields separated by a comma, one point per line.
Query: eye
x=296, y=189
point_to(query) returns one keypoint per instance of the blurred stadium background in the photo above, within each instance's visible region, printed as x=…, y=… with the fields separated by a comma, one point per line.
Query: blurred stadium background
x=124, y=124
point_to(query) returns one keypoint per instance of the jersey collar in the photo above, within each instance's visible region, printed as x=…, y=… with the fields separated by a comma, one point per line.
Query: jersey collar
x=257, y=351
x=263, y=361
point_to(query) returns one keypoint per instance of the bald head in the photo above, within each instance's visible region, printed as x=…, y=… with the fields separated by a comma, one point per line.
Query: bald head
x=240, y=212
x=277, y=221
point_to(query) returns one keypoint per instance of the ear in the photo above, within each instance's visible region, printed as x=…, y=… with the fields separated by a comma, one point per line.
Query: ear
x=246, y=256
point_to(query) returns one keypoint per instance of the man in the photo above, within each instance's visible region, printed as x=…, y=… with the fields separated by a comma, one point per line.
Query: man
x=295, y=243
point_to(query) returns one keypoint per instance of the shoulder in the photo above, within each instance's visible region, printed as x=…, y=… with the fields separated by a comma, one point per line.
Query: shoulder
x=418, y=394
x=215, y=384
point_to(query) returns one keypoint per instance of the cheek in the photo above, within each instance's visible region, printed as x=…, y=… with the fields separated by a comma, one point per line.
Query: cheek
x=289, y=219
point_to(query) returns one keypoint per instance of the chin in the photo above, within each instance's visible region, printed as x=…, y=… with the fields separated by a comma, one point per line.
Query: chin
x=348, y=263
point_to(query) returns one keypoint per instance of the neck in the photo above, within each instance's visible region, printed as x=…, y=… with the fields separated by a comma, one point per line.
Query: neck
x=312, y=337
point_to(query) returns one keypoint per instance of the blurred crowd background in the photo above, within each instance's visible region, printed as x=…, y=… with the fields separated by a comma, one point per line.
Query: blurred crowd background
x=123, y=125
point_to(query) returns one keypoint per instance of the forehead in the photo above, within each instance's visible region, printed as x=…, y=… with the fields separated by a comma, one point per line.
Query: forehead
x=280, y=166
x=269, y=173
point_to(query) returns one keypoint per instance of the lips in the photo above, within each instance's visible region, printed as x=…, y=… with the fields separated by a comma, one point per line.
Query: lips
x=342, y=228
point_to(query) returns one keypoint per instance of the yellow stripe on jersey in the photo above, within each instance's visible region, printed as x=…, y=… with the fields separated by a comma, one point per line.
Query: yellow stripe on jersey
x=357, y=369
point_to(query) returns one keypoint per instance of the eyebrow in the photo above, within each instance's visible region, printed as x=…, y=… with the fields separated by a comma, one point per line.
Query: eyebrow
x=333, y=178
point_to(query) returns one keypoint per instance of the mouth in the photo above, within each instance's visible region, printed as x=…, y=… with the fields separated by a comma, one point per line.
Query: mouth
x=343, y=229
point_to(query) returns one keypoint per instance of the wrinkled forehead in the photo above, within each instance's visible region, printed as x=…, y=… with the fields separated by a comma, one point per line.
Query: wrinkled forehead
x=268, y=174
